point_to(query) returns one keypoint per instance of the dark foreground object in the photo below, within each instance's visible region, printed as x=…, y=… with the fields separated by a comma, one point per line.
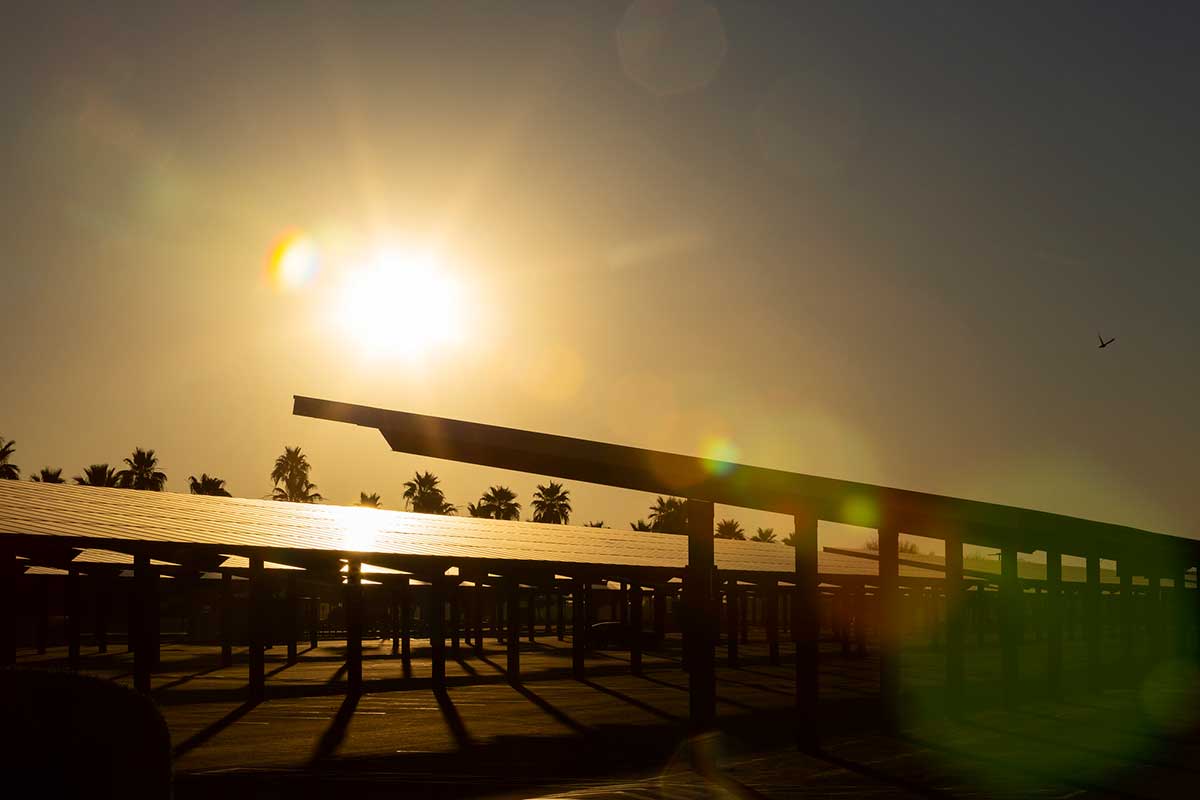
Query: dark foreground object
x=77, y=736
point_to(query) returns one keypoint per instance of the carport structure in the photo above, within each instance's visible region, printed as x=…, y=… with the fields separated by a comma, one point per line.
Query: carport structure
x=809, y=499
x=468, y=569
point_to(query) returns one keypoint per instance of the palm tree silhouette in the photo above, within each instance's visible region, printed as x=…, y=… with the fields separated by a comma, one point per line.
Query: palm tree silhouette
x=98, y=475
x=208, y=485
x=641, y=525
x=291, y=469
x=422, y=495
x=9, y=472
x=551, y=503
x=47, y=475
x=498, y=502
x=669, y=515
x=596, y=524
x=141, y=472
x=763, y=535
x=790, y=539
x=730, y=529
x=371, y=500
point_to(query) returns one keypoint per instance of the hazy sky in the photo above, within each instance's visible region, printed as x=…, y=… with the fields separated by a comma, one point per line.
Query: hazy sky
x=869, y=241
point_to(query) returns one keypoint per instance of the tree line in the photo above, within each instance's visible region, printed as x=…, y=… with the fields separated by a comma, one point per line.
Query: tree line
x=291, y=482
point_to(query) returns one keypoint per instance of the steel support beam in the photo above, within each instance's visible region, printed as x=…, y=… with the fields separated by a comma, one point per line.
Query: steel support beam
x=699, y=636
x=806, y=626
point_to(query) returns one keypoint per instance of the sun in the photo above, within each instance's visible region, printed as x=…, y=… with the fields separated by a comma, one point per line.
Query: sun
x=402, y=303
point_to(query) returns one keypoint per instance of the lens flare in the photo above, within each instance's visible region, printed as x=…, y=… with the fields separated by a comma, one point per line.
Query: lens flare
x=293, y=261
x=721, y=451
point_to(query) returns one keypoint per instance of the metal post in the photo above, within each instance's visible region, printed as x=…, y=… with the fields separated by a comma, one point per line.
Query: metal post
x=731, y=622
x=102, y=602
x=806, y=611
x=394, y=616
x=514, y=634
x=1092, y=620
x=771, y=596
x=10, y=569
x=455, y=621
x=405, y=625
x=354, y=626
x=1054, y=632
x=635, y=629
x=226, y=620
x=291, y=631
x=578, y=637
x=955, y=627
x=559, y=621
x=477, y=612
x=698, y=632
x=143, y=663
x=73, y=610
x=1010, y=597
x=660, y=615
x=314, y=621
x=437, y=632
x=258, y=599
x=887, y=597
x=532, y=612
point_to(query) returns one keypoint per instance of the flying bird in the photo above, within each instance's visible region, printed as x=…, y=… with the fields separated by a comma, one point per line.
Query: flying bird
x=1104, y=344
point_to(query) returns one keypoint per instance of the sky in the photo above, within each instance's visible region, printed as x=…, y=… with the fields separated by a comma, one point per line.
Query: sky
x=872, y=241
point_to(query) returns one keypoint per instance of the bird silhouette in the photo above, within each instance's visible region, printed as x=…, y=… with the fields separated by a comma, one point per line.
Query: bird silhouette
x=1104, y=344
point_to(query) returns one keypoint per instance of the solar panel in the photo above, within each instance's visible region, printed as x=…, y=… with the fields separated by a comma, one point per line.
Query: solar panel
x=86, y=514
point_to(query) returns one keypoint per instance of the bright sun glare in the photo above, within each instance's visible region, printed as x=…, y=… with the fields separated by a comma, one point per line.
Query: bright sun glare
x=401, y=303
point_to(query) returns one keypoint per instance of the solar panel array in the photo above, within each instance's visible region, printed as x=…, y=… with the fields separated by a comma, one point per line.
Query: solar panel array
x=97, y=515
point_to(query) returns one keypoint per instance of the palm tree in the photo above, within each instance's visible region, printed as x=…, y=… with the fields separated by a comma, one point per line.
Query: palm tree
x=478, y=511
x=499, y=502
x=98, y=475
x=291, y=469
x=371, y=500
x=790, y=539
x=904, y=546
x=641, y=525
x=422, y=495
x=730, y=529
x=763, y=535
x=10, y=472
x=596, y=524
x=669, y=515
x=141, y=472
x=551, y=503
x=208, y=485
x=47, y=475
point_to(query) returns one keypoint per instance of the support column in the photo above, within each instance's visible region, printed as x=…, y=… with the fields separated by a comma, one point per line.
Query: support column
x=532, y=611
x=73, y=611
x=559, y=621
x=405, y=625
x=1092, y=621
x=314, y=621
x=624, y=603
x=698, y=634
x=354, y=626
x=455, y=621
x=1010, y=597
x=547, y=599
x=144, y=590
x=887, y=598
x=291, y=631
x=226, y=620
x=477, y=613
x=731, y=623
x=955, y=628
x=10, y=570
x=578, y=636
x=1054, y=622
x=635, y=629
x=42, y=623
x=437, y=632
x=394, y=618
x=257, y=627
x=660, y=615
x=102, y=604
x=806, y=626
x=513, y=666
x=771, y=597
